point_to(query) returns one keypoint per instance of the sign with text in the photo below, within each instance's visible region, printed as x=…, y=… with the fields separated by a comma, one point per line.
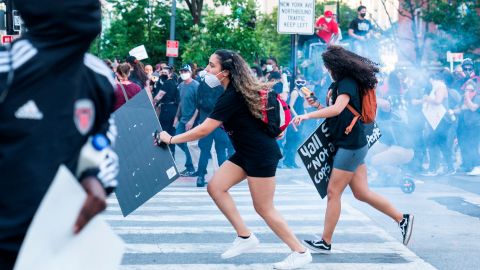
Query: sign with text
x=318, y=150
x=296, y=17
x=139, y=52
x=454, y=57
x=172, y=48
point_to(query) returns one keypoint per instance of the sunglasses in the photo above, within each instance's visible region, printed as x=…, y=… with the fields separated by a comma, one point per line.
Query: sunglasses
x=300, y=82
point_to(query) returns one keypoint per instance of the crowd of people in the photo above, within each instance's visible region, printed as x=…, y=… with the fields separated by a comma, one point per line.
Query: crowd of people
x=428, y=121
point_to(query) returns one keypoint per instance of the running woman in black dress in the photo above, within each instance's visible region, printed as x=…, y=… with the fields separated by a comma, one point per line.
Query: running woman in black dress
x=352, y=76
x=256, y=156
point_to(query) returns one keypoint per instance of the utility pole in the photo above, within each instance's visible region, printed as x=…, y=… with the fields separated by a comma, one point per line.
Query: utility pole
x=172, y=28
x=9, y=17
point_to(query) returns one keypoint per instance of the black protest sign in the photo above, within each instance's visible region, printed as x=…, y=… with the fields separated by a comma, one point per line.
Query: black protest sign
x=317, y=154
x=145, y=169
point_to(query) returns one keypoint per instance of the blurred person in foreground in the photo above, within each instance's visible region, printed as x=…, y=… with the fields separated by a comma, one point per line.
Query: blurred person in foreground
x=53, y=97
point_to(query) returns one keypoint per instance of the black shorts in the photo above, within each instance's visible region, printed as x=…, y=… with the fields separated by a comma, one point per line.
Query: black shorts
x=254, y=168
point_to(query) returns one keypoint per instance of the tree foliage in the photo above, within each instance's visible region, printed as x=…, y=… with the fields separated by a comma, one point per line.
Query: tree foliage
x=458, y=25
x=137, y=22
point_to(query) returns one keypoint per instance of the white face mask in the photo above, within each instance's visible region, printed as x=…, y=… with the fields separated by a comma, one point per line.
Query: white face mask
x=328, y=20
x=211, y=80
x=269, y=68
x=185, y=76
x=202, y=73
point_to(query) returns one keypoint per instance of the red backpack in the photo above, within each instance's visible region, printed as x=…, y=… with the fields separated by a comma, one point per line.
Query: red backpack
x=276, y=113
x=369, y=110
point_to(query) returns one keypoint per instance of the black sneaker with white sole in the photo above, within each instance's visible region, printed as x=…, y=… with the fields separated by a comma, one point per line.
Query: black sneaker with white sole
x=406, y=226
x=317, y=246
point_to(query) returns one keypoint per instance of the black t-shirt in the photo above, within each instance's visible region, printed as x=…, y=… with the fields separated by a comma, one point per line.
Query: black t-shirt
x=172, y=95
x=58, y=98
x=245, y=131
x=278, y=87
x=337, y=125
x=206, y=99
x=472, y=119
x=360, y=27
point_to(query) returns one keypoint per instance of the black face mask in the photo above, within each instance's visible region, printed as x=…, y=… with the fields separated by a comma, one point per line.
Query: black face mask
x=164, y=77
x=363, y=15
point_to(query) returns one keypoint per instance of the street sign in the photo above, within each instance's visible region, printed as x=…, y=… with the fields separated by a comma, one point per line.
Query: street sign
x=296, y=17
x=8, y=39
x=172, y=48
x=454, y=57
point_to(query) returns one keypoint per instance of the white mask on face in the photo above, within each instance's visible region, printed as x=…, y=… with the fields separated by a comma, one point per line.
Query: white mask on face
x=185, y=76
x=328, y=20
x=269, y=68
x=211, y=80
x=202, y=73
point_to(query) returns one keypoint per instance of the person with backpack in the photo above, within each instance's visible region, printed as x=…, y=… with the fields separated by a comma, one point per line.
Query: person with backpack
x=206, y=99
x=242, y=109
x=351, y=92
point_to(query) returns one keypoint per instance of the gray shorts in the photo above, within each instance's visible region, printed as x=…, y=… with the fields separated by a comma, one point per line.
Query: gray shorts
x=349, y=159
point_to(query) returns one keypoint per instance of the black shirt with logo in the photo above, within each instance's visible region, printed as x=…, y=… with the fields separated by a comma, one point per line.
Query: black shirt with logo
x=360, y=27
x=337, y=125
x=245, y=131
x=59, y=96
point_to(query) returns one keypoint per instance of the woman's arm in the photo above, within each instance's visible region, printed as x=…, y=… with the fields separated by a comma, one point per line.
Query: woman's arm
x=332, y=111
x=200, y=131
x=328, y=112
x=293, y=99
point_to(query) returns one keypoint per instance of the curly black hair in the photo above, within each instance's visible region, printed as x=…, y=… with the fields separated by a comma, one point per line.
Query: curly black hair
x=343, y=63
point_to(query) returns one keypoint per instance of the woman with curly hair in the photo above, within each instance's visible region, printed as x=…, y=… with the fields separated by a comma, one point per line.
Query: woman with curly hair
x=353, y=75
x=256, y=156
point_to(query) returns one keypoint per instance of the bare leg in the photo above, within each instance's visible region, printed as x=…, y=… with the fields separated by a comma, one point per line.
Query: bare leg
x=227, y=176
x=263, y=190
x=339, y=180
x=359, y=186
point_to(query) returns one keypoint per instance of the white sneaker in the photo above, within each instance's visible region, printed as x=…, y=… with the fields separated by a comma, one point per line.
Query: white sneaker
x=241, y=245
x=295, y=260
x=475, y=171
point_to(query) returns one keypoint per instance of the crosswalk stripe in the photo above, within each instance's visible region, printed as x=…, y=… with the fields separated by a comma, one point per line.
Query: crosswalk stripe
x=386, y=247
x=201, y=199
x=324, y=266
x=299, y=204
x=220, y=217
x=360, y=230
x=199, y=208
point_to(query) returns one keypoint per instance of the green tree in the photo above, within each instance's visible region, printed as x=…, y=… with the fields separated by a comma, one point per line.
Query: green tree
x=273, y=43
x=137, y=22
x=235, y=31
x=458, y=25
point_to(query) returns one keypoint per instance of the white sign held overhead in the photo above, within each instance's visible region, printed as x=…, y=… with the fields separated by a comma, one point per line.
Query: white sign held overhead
x=296, y=17
x=139, y=52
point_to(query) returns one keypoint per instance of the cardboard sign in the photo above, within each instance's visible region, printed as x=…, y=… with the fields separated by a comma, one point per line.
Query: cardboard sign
x=139, y=52
x=145, y=169
x=317, y=154
x=434, y=114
